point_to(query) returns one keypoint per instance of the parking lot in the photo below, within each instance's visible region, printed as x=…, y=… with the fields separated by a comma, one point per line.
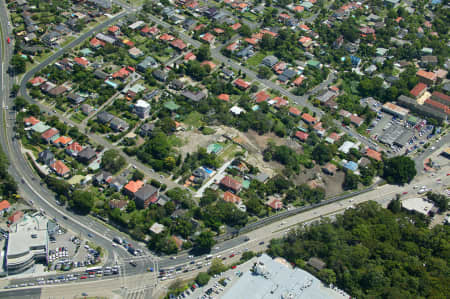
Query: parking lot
x=67, y=251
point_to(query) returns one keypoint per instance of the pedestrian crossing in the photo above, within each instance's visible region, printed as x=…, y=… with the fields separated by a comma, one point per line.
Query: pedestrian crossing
x=140, y=293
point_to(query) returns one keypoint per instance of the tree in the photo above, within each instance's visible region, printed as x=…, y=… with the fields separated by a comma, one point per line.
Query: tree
x=167, y=125
x=20, y=103
x=82, y=201
x=216, y=267
x=399, y=170
x=267, y=42
x=350, y=181
x=264, y=72
x=131, y=206
x=202, y=278
x=138, y=175
x=203, y=53
x=204, y=241
x=322, y=153
x=18, y=64
x=245, y=30
x=112, y=161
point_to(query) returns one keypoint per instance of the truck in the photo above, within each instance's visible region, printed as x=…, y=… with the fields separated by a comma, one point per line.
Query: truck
x=118, y=240
x=132, y=250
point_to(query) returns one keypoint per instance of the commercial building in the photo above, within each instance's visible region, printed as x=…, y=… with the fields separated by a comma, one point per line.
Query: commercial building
x=395, y=110
x=27, y=243
x=275, y=278
x=142, y=109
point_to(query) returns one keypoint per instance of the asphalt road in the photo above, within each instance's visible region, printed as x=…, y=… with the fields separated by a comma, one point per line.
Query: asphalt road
x=34, y=293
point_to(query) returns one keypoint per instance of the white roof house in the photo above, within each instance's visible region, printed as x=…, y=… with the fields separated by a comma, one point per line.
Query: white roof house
x=346, y=146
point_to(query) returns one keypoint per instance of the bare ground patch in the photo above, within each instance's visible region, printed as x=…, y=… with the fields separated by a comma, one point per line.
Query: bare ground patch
x=332, y=183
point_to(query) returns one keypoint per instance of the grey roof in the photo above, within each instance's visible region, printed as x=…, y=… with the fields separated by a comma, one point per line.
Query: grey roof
x=160, y=75
x=269, y=61
x=145, y=192
x=261, y=177
x=46, y=156
x=246, y=52
x=147, y=63
x=196, y=97
x=87, y=153
x=325, y=95
x=289, y=73
x=317, y=263
x=117, y=123
x=101, y=74
x=105, y=117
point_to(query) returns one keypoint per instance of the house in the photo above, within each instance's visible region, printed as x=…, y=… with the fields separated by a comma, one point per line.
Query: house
x=241, y=84
x=441, y=98
x=224, y=97
x=269, y=61
x=146, y=129
x=306, y=117
x=302, y=136
x=60, y=168
x=14, y=218
x=157, y=228
x=189, y=56
x=231, y=184
x=36, y=81
x=428, y=60
x=86, y=109
x=236, y=26
x=373, y=154
x=287, y=75
x=106, y=39
x=316, y=263
x=104, y=117
x=326, y=95
x=356, y=120
x=230, y=197
x=261, y=96
x=86, y=155
x=305, y=41
x=246, y=52
x=132, y=187
x=418, y=90
x=101, y=74
x=121, y=74
x=4, y=207
x=166, y=37
x=209, y=63
x=50, y=135
x=275, y=204
x=119, y=125
x=298, y=81
x=188, y=24
x=350, y=165
x=194, y=96
x=75, y=98
x=428, y=78
x=280, y=102
x=114, y=30
x=73, y=149
x=294, y=111
x=59, y=90
x=329, y=169
x=178, y=44
x=346, y=146
x=233, y=47
x=81, y=61
x=145, y=195
x=118, y=204
x=62, y=141
x=333, y=137
x=96, y=43
x=177, y=84
x=135, y=52
x=209, y=38
x=117, y=183
x=46, y=157
x=103, y=177
x=30, y=121
x=47, y=86
x=160, y=75
x=279, y=67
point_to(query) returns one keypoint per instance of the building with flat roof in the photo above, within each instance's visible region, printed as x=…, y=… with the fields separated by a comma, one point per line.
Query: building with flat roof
x=275, y=278
x=395, y=110
x=27, y=243
x=418, y=205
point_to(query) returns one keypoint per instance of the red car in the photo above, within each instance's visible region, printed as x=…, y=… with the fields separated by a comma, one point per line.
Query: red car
x=233, y=267
x=83, y=277
x=8, y=40
x=232, y=255
x=405, y=193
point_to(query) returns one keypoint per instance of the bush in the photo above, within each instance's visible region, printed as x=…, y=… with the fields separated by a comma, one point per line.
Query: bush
x=202, y=278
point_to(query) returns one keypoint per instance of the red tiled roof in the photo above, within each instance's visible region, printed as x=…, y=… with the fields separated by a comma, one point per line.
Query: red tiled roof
x=298, y=81
x=224, y=97
x=335, y=136
x=284, y=16
x=49, y=133
x=31, y=120
x=134, y=186
x=153, y=30
x=179, y=44
x=299, y=8
x=190, y=56
x=96, y=42
x=308, y=118
x=15, y=217
x=264, y=31
x=211, y=64
x=438, y=105
x=233, y=46
x=198, y=27
x=301, y=135
x=230, y=183
x=60, y=168
x=208, y=37
x=427, y=75
x=113, y=29
x=280, y=102
x=418, y=89
x=219, y=30
x=252, y=41
x=166, y=37
x=275, y=204
x=81, y=61
x=356, y=120
x=236, y=26
x=230, y=197
x=37, y=81
x=64, y=140
x=294, y=111
x=261, y=96
x=122, y=73
x=4, y=204
x=373, y=154
x=241, y=83
x=74, y=147
x=441, y=96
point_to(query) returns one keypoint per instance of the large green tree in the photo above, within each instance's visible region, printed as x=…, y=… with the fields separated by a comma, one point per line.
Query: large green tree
x=112, y=161
x=399, y=170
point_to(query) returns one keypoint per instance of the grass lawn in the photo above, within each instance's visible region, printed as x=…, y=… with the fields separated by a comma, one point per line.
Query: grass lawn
x=251, y=17
x=229, y=152
x=194, y=119
x=256, y=59
x=175, y=141
x=77, y=117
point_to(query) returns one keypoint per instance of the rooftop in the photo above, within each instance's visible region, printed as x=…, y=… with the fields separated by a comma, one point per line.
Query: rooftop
x=417, y=204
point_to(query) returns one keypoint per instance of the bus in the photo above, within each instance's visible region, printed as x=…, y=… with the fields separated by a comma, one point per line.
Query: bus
x=93, y=269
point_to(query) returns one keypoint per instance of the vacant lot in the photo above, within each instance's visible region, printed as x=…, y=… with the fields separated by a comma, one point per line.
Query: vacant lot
x=333, y=184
